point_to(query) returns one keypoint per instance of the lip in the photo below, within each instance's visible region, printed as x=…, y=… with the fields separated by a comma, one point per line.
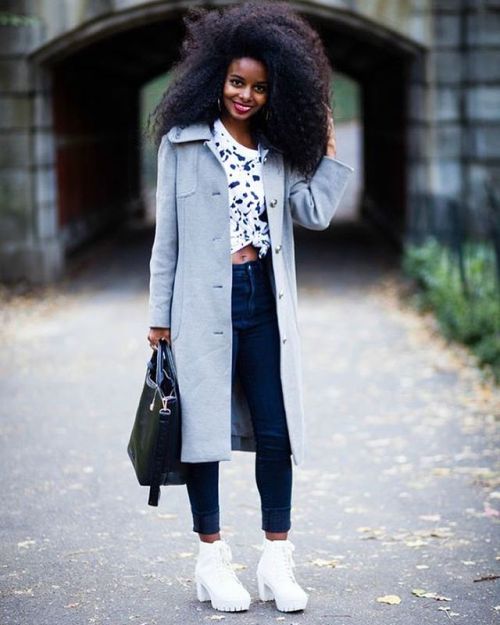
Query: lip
x=241, y=108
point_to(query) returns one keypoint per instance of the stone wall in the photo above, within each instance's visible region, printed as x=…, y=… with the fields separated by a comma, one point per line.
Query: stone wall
x=30, y=245
x=452, y=136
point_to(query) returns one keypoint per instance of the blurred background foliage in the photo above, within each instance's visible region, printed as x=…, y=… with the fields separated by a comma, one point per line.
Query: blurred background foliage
x=466, y=302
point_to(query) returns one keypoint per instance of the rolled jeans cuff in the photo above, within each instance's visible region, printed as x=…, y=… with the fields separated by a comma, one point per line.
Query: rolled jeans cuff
x=276, y=519
x=206, y=523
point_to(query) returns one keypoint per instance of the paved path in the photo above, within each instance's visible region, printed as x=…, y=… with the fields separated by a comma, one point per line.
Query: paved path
x=400, y=490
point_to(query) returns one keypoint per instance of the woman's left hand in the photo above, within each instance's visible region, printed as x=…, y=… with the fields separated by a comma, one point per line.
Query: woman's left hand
x=331, y=146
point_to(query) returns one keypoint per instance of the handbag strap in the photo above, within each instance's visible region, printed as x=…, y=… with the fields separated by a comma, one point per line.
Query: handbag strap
x=160, y=357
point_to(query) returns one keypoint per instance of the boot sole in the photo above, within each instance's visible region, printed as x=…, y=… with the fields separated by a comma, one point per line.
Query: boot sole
x=266, y=593
x=203, y=594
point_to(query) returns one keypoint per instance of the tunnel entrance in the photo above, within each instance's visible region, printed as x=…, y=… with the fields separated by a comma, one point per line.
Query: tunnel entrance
x=96, y=92
x=382, y=64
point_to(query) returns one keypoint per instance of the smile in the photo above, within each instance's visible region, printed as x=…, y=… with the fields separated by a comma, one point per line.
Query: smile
x=241, y=108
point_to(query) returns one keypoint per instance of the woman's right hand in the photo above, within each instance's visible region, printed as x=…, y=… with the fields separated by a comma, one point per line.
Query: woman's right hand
x=155, y=334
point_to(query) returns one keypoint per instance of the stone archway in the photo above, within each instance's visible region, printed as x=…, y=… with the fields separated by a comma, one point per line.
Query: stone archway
x=84, y=72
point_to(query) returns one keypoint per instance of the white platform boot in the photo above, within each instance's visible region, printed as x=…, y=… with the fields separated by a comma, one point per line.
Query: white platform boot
x=275, y=577
x=216, y=579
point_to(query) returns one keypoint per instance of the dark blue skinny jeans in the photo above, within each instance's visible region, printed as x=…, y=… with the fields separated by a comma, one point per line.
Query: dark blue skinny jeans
x=256, y=358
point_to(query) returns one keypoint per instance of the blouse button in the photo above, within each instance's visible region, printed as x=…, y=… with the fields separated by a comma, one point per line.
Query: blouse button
x=284, y=339
x=277, y=248
x=280, y=294
x=273, y=202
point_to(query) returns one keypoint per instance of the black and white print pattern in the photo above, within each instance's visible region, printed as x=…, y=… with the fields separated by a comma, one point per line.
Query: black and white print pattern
x=246, y=191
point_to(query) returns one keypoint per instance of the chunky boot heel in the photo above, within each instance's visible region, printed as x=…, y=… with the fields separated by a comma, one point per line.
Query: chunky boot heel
x=265, y=593
x=201, y=592
x=216, y=579
x=275, y=577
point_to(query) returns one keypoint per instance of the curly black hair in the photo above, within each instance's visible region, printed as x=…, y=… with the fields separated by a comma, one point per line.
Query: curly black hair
x=299, y=75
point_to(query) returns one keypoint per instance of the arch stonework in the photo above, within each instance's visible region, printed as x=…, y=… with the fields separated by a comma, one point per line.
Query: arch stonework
x=69, y=164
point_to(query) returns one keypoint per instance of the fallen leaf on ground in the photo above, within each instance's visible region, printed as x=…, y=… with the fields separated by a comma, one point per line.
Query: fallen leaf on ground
x=415, y=543
x=441, y=471
x=441, y=532
x=391, y=599
x=239, y=567
x=322, y=562
x=420, y=592
x=370, y=532
x=449, y=611
x=27, y=591
x=430, y=517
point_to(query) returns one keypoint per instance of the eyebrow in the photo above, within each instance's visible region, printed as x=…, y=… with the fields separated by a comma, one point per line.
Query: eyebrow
x=259, y=82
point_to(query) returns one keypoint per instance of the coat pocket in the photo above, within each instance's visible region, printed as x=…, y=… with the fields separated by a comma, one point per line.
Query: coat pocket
x=187, y=169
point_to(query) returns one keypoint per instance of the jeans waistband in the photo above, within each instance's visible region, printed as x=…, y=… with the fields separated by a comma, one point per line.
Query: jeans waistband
x=251, y=265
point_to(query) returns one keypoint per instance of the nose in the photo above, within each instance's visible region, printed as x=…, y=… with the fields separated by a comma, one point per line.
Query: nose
x=245, y=94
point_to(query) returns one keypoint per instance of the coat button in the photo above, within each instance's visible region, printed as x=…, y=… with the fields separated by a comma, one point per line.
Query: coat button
x=284, y=339
x=280, y=294
x=277, y=248
x=273, y=202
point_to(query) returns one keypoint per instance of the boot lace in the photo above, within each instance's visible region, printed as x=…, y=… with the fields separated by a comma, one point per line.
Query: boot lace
x=286, y=570
x=223, y=564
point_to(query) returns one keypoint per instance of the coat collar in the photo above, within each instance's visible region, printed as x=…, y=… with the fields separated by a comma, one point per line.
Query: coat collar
x=201, y=130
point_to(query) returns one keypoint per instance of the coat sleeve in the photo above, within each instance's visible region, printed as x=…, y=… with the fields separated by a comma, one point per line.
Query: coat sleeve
x=163, y=260
x=313, y=201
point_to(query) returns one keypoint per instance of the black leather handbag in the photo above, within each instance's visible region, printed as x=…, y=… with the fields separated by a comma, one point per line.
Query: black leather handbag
x=155, y=442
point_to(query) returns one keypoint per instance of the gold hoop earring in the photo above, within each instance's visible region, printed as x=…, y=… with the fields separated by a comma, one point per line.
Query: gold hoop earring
x=218, y=104
x=267, y=115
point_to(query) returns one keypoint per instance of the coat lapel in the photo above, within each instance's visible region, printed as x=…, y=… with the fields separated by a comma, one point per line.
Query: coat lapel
x=272, y=170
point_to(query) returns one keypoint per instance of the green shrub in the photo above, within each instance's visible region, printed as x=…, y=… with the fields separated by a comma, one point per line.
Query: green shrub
x=470, y=312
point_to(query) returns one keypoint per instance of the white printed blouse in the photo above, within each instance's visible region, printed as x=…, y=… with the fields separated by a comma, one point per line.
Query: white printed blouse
x=247, y=206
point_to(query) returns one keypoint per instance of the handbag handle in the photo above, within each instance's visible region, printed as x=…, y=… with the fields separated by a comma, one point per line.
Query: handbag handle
x=164, y=353
x=170, y=357
x=160, y=357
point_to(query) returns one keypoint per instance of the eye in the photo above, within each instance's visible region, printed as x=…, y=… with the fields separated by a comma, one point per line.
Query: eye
x=234, y=80
x=261, y=88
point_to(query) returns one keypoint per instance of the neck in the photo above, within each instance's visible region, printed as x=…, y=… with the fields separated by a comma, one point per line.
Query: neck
x=241, y=130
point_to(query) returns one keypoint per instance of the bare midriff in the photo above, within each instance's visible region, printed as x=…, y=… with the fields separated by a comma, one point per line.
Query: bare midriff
x=243, y=255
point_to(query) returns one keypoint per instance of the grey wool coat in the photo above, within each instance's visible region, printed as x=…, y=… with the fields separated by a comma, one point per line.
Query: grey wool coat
x=191, y=278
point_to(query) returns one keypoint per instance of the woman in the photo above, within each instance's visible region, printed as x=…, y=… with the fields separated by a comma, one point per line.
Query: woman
x=246, y=148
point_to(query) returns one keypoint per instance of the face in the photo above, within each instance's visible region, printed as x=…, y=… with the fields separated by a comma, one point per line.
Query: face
x=245, y=88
